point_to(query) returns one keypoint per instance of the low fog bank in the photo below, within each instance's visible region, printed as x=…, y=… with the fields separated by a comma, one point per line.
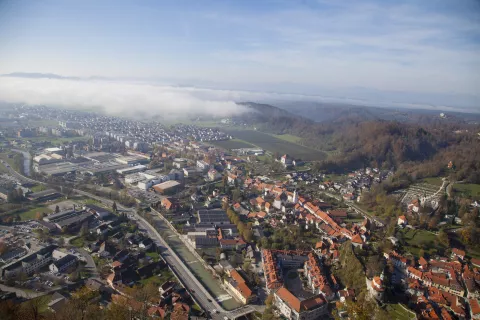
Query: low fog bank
x=138, y=100
x=147, y=100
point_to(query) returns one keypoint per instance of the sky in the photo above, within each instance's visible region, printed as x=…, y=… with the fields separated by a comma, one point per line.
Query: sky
x=415, y=52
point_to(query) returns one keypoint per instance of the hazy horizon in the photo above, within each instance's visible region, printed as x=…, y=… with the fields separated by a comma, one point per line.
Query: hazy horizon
x=376, y=53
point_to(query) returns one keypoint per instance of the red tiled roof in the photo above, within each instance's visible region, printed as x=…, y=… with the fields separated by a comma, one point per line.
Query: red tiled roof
x=458, y=252
x=475, y=262
x=289, y=298
x=261, y=214
x=357, y=239
x=474, y=306
x=422, y=261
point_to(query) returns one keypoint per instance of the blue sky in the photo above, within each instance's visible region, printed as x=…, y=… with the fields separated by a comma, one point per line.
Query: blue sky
x=416, y=51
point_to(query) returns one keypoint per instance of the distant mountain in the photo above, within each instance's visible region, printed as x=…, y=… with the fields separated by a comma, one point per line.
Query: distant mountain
x=34, y=75
x=340, y=113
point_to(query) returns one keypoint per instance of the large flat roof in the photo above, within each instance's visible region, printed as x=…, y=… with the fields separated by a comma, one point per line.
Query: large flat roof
x=167, y=184
x=213, y=216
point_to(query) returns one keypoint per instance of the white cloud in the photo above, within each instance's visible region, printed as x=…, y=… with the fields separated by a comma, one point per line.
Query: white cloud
x=154, y=101
x=118, y=98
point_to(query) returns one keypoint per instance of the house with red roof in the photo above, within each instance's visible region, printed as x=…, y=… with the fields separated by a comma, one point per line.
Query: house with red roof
x=357, y=241
x=239, y=287
x=457, y=253
x=402, y=221
x=292, y=307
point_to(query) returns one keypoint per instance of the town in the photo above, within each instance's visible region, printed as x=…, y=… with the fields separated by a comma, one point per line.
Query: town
x=160, y=221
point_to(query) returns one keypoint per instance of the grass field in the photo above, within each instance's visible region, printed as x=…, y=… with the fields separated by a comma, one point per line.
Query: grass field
x=38, y=188
x=418, y=239
x=397, y=312
x=232, y=144
x=78, y=242
x=165, y=275
x=287, y=137
x=436, y=181
x=467, y=189
x=31, y=213
x=274, y=144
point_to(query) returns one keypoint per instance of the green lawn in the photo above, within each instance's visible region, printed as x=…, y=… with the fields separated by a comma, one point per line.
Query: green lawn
x=38, y=188
x=287, y=137
x=154, y=255
x=418, y=239
x=467, y=190
x=78, y=242
x=165, y=275
x=436, y=181
x=232, y=144
x=398, y=313
x=31, y=213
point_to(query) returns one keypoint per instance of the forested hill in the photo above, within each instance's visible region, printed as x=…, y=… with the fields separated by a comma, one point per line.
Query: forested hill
x=419, y=149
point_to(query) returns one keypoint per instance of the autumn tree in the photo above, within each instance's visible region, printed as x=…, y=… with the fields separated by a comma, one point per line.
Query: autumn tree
x=443, y=238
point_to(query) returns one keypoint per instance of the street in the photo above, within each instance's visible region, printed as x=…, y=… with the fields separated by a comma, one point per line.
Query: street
x=191, y=283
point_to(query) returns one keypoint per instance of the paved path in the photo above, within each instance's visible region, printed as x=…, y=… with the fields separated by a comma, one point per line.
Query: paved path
x=23, y=293
x=355, y=207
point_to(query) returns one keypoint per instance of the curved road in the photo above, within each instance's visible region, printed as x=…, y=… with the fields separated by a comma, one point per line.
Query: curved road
x=198, y=291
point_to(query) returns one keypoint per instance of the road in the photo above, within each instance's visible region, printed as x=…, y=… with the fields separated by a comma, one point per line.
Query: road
x=355, y=207
x=22, y=293
x=27, y=159
x=198, y=291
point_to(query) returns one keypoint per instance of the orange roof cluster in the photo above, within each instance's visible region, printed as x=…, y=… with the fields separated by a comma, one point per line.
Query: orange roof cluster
x=394, y=255
x=260, y=200
x=437, y=278
x=474, y=306
x=458, y=252
x=297, y=305
x=241, y=284
x=445, y=265
x=446, y=299
x=180, y=311
x=318, y=278
x=271, y=270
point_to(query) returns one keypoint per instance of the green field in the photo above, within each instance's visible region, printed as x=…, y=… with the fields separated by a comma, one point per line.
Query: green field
x=274, y=144
x=164, y=275
x=31, y=213
x=232, y=144
x=78, y=242
x=397, y=312
x=467, y=189
x=418, y=239
x=38, y=188
x=287, y=137
x=436, y=181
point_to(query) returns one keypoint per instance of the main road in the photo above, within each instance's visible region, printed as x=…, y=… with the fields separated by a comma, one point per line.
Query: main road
x=200, y=294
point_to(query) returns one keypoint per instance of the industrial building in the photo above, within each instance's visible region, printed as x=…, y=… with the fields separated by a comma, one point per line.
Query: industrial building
x=29, y=263
x=68, y=218
x=213, y=217
x=167, y=187
x=44, y=195
x=130, y=170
